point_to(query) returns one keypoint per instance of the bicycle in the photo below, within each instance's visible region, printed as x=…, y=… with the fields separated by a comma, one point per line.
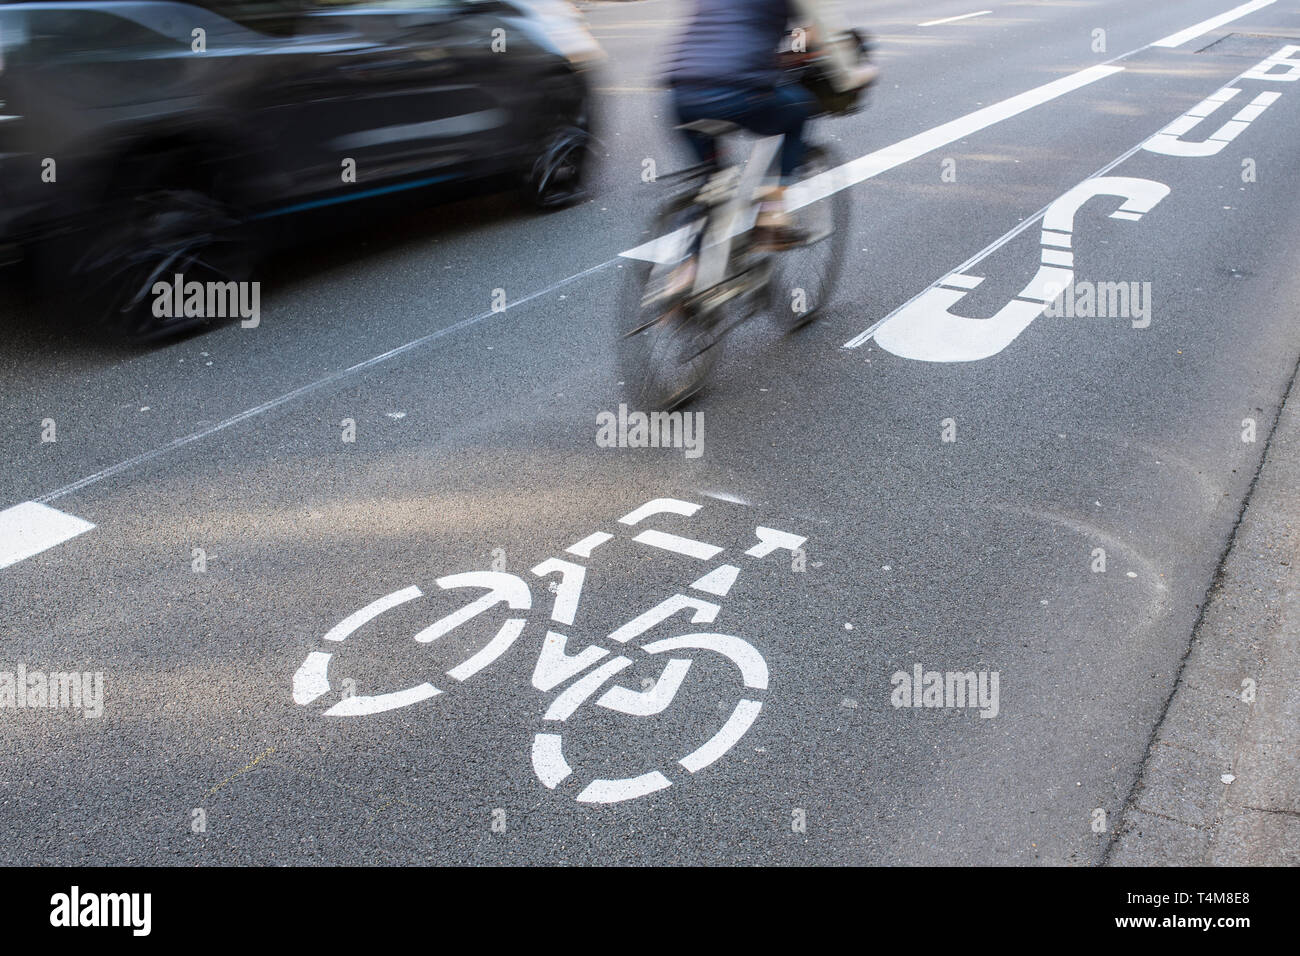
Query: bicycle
x=586, y=676
x=706, y=276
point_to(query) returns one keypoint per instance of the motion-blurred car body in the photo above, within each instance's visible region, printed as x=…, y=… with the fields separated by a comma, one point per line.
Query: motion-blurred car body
x=142, y=138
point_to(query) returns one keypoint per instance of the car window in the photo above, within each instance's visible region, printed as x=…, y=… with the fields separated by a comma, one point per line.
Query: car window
x=278, y=17
x=389, y=4
x=245, y=9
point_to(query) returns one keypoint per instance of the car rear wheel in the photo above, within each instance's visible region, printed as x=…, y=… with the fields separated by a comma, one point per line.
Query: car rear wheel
x=151, y=237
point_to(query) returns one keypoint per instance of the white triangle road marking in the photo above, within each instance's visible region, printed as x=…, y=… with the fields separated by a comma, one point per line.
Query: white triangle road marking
x=31, y=527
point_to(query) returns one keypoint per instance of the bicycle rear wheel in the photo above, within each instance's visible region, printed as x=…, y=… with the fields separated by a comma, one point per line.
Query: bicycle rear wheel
x=804, y=278
x=665, y=349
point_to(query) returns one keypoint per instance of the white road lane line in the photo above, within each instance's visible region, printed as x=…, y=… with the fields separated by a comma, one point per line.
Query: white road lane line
x=1204, y=27
x=914, y=147
x=882, y=160
x=1049, y=257
x=310, y=387
x=964, y=16
x=31, y=527
x=663, y=248
x=865, y=167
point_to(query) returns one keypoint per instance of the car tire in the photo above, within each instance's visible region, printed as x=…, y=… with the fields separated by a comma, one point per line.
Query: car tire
x=158, y=215
x=151, y=237
x=558, y=177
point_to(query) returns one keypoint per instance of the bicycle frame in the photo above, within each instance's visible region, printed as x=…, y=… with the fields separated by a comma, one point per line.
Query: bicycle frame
x=735, y=217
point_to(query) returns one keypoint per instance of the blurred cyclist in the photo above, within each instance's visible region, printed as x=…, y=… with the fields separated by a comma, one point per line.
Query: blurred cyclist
x=725, y=66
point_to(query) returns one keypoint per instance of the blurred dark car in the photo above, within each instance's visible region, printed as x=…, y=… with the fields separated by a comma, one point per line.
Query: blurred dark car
x=143, y=139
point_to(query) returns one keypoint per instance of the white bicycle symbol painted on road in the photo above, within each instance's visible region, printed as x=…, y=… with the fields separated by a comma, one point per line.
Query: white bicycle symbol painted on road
x=594, y=668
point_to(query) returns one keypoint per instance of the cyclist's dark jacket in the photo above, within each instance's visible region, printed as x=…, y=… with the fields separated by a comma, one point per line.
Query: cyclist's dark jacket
x=732, y=42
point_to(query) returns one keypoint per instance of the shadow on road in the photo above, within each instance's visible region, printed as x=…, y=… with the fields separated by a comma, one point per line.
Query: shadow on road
x=37, y=323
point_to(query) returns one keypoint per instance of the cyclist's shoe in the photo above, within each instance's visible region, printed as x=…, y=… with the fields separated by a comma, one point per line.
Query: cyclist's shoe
x=775, y=230
x=681, y=280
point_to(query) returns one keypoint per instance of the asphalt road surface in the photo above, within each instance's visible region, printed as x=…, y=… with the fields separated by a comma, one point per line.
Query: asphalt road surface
x=943, y=487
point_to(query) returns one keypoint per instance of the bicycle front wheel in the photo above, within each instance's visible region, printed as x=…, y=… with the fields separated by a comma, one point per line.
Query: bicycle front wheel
x=665, y=350
x=804, y=277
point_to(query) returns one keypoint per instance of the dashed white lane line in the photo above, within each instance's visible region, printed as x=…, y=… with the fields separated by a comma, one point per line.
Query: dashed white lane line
x=1205, y=26
x=31, y=527
x=964, y=16
x=311, y=387
x=865, y=167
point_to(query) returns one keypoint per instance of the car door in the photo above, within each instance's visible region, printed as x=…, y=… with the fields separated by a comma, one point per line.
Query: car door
x=376, y=95
x=436, y=95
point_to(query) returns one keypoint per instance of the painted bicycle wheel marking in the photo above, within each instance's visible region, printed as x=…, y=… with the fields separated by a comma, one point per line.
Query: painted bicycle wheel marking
x=582, y=676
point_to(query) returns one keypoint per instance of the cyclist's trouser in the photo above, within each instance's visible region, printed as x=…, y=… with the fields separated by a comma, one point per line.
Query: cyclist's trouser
x=766, y=111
